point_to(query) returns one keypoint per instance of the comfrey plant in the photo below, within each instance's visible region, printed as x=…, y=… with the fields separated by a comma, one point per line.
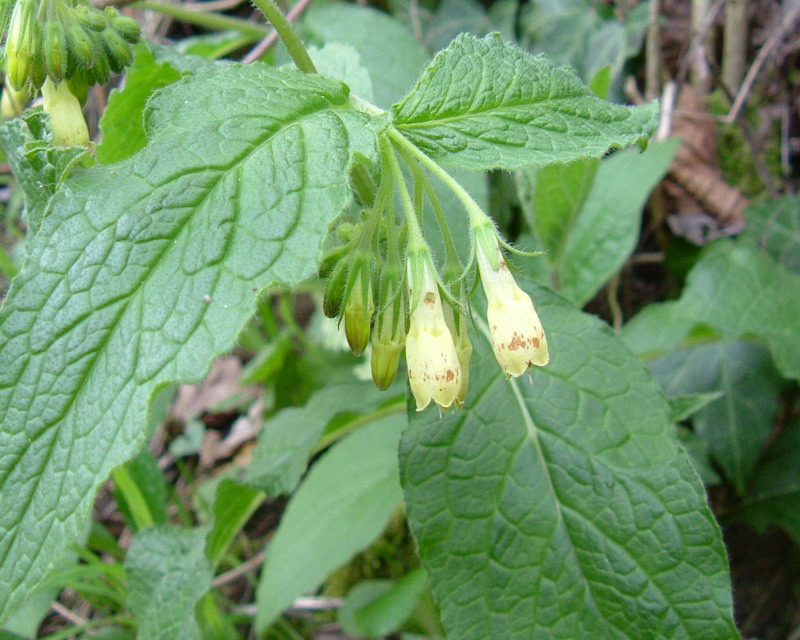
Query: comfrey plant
x=379, y=293
x=560, y=509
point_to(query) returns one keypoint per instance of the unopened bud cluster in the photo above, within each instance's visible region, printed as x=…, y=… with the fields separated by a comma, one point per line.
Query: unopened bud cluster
x=62, y=47
x=411, y=306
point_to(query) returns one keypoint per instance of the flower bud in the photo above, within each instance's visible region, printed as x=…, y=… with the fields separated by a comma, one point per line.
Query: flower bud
x=90, y=17
x=518, y=338
x=80, y=46
x=55, y=51
x=434, y=372
x=335, y=288
x=13, y=101
x=359, y=306
x=119, y=51
x=389, y=334
x=20, y=45
x=66, y=117
x=127, y=27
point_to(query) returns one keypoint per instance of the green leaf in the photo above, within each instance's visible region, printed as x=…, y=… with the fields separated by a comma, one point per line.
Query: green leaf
x=342, y=506
x=775, y=227
x=287, y=440
x=574, y=32
x=564, y=508
x=552, y=198
x=773, y=496
x=604, y=234
x=738, y=291
x=388, y=50
x=234, y=503
x=486, y=104
x=697, y=449
x=168, y=572
x=736, y=425
x=39, y=168
x=144, y=472
x=146, y=270
x=343, y=62
x=682, y=407
x=377, y=608
x=122, y=123
x=588, y=214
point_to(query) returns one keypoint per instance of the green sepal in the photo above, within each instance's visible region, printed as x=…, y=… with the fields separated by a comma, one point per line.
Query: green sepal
x=335, y=289
x=56, y=54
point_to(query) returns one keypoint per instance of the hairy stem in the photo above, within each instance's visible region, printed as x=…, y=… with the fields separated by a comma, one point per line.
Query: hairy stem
x=287, y=33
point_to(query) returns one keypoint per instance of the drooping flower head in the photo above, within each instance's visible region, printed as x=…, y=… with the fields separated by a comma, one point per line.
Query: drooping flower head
x=434, y=372
x=518, y=338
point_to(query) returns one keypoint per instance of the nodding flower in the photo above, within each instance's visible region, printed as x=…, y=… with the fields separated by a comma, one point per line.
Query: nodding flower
x=434, y=372
x=518, y=338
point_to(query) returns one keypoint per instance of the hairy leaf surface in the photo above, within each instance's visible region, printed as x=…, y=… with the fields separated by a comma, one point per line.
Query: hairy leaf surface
x=564, y=508
x=486, y=104
x=169, y=573
x=143, y=272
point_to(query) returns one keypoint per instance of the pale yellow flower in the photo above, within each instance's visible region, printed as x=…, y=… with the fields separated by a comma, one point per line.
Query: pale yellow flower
x=434, y=372
x=518, y=338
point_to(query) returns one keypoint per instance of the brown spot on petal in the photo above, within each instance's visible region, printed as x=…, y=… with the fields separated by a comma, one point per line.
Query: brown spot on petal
x=535, y=344
x=450, y=375
x=516, y=343
x=429, y=298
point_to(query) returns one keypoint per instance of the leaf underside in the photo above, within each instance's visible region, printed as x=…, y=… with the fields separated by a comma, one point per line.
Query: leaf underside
x=564, y=508
x=143, y=272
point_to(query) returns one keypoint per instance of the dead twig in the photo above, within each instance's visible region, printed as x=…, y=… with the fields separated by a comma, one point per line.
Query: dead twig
x=786, y=23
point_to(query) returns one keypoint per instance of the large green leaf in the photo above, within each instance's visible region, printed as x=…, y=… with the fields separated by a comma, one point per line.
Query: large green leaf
x=736, y=425
x=737, y=290
x=588, y=215
x=775, y=226
x=773, y=497
x=144, y=271
x=564, y=508
x=486, y=104
x=169, y=573
x=338, y=510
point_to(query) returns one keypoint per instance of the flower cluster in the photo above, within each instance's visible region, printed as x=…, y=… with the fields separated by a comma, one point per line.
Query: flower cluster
x=62, y=47
x=399, y=303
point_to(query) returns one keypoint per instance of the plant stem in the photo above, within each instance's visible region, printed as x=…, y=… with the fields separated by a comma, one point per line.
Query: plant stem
x=287, y=33
x=476, y=214
x=421, y=178
x=207, y=19
x=416, y=239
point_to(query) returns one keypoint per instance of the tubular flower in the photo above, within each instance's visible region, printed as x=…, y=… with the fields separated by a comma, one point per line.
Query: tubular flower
x=66, y=117
x=518, y=338
x=389, y=334
x=434, y=372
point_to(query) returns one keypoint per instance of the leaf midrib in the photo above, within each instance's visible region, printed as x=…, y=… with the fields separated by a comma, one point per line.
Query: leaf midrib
x=484, y=112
